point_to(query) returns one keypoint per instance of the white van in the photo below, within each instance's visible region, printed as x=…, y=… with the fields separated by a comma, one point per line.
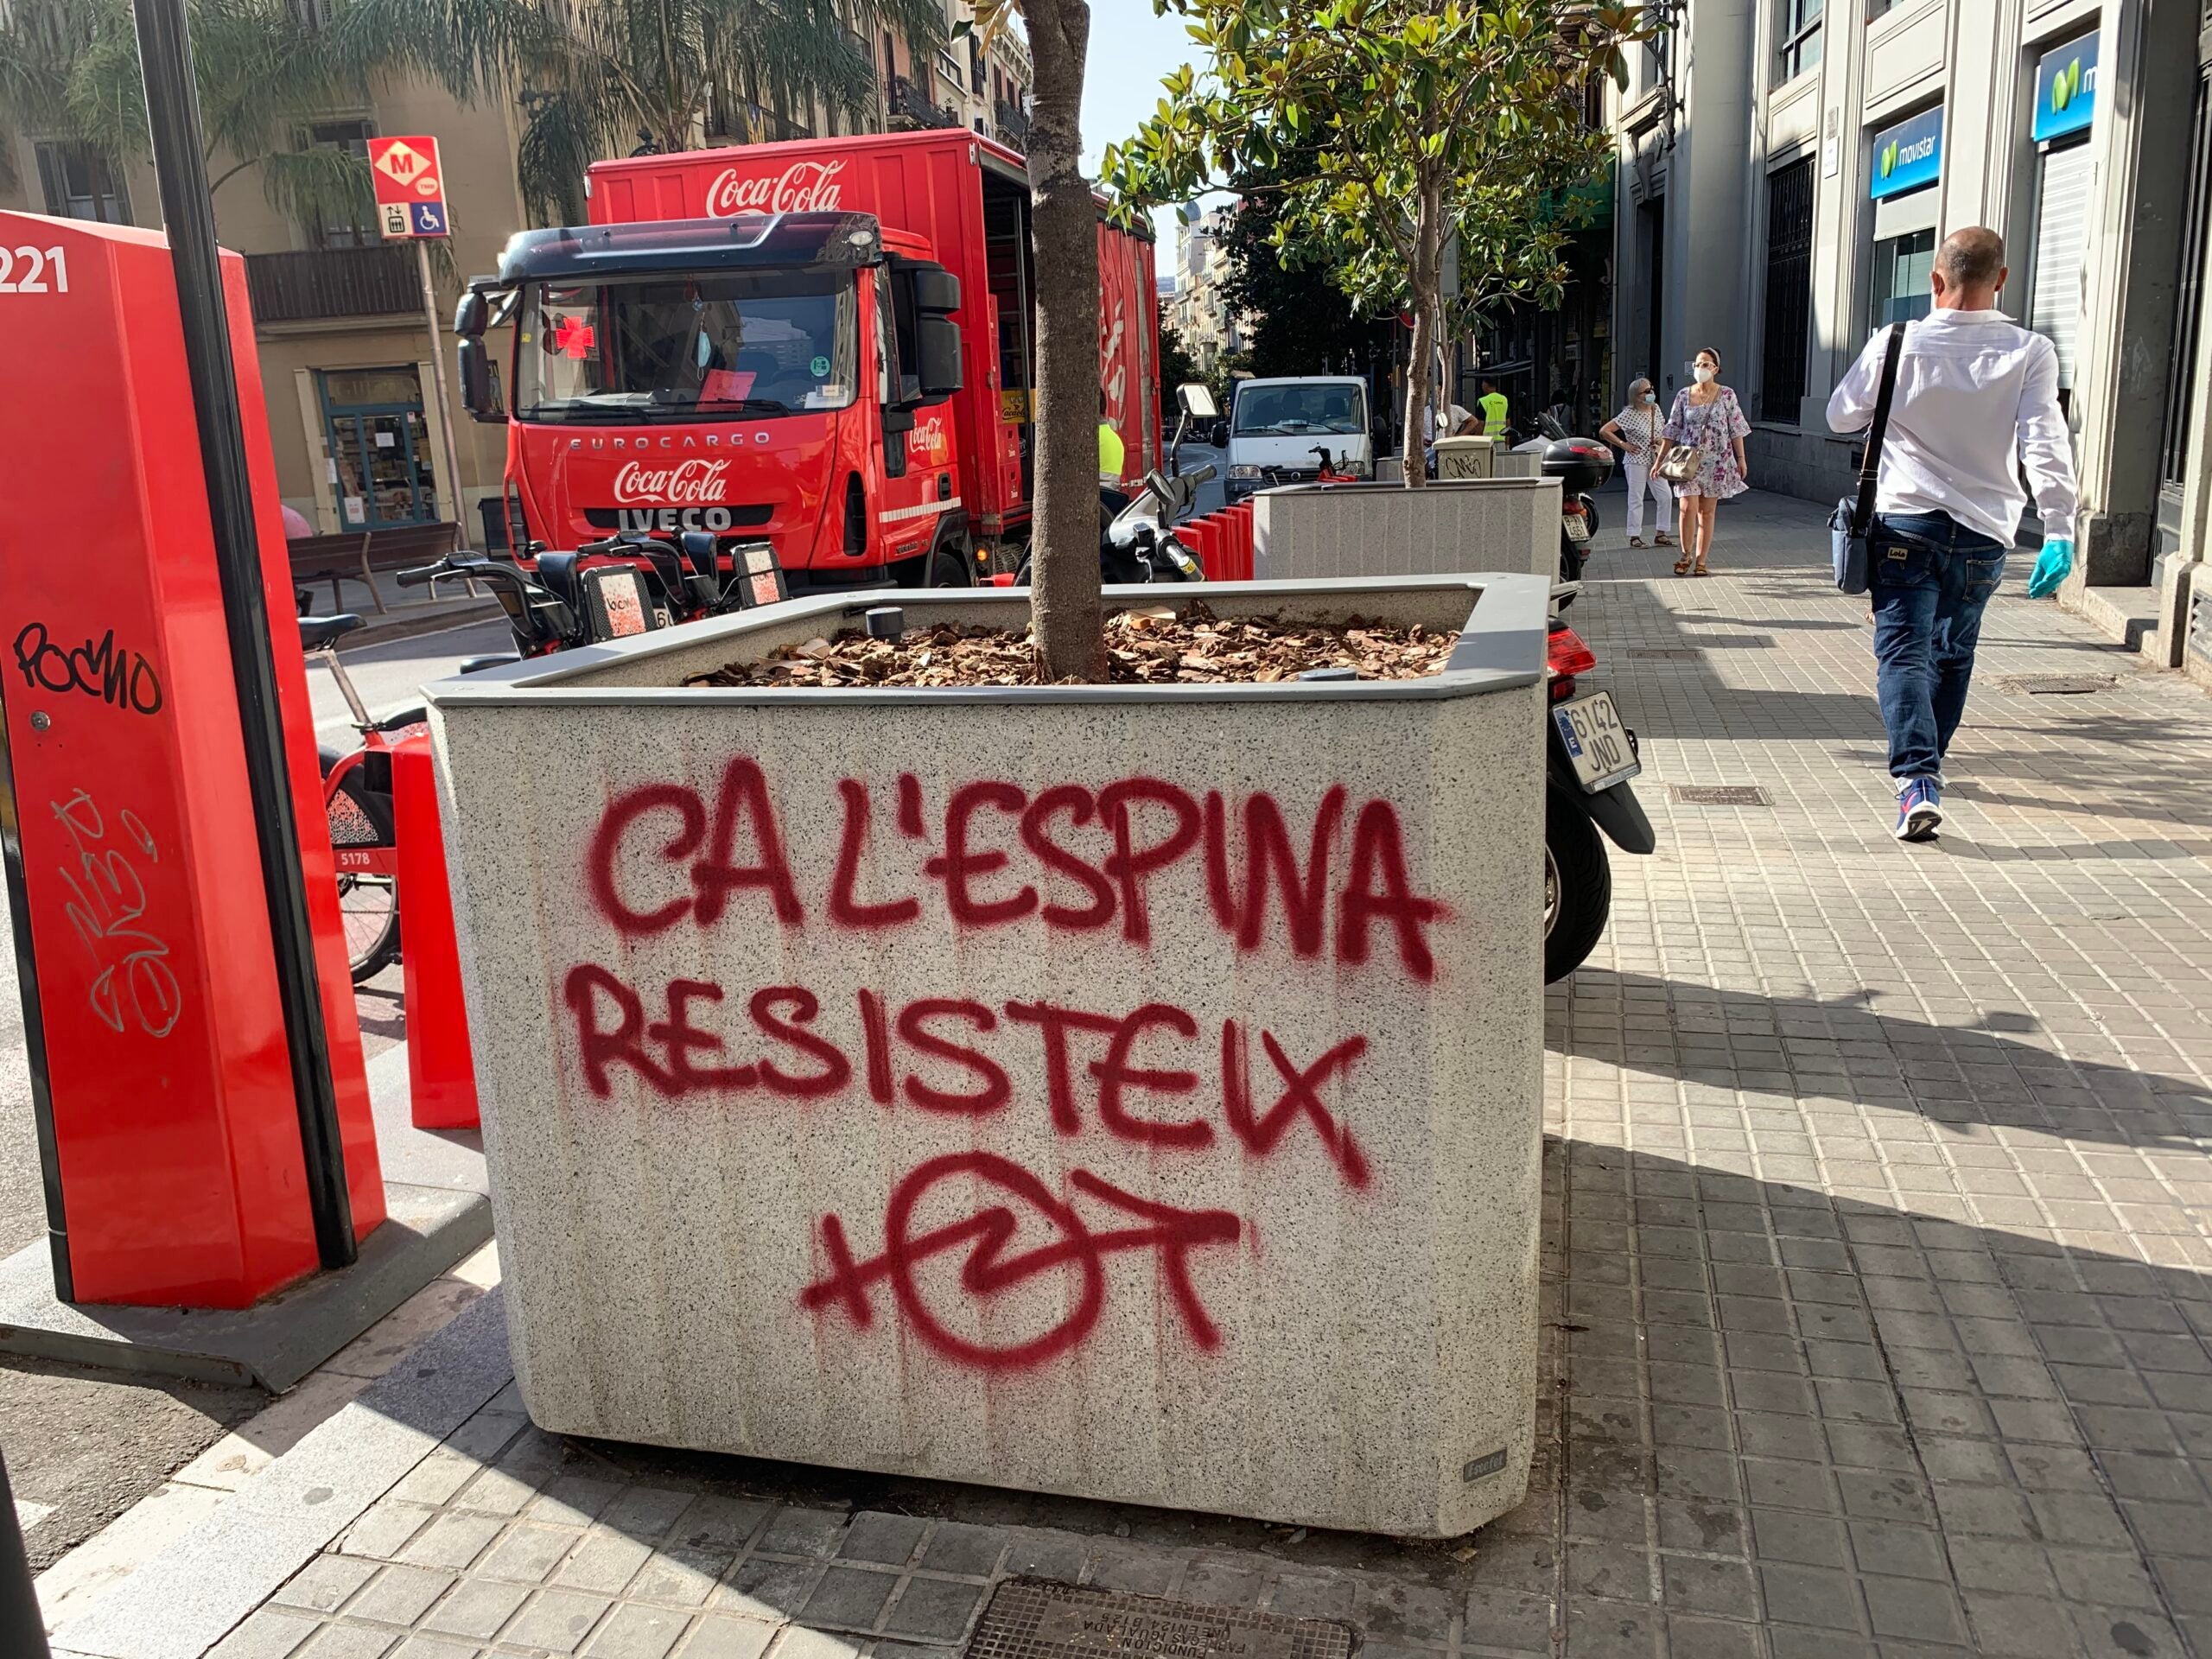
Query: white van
x=1275, y=426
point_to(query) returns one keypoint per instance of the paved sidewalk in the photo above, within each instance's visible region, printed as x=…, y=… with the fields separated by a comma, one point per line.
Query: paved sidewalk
x=1877, y=1238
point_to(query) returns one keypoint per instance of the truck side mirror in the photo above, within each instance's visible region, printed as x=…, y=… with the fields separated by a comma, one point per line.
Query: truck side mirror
x=469, y=317
x=1196, y=401
x=936, y=289
x=937, y=357
x=479, y=392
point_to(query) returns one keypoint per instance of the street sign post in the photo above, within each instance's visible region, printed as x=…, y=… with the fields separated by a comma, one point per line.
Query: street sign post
x=411, y=194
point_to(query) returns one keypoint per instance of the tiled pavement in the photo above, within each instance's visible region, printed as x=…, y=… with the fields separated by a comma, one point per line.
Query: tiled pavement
x=1878, y=1212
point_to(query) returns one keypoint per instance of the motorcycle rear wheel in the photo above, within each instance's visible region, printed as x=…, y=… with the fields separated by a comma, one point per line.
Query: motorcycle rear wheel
x=1578, y=885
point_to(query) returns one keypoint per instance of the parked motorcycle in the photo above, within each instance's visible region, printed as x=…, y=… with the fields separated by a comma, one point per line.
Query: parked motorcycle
x=1582, y=466
x=1592, y=756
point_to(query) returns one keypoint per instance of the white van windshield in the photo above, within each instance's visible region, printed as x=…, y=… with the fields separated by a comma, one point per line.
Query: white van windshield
x=1293, y=411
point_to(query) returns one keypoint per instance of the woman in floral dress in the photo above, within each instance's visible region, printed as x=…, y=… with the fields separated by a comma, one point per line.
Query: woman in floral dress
x=1706, y=417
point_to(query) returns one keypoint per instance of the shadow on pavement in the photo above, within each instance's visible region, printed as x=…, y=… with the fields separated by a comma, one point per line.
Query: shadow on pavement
x=1812, y=1053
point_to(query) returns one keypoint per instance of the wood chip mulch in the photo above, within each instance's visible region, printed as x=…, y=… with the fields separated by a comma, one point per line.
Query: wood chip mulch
x=1152, y=646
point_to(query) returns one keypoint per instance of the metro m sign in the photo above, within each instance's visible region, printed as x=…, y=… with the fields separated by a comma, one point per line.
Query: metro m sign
x=411, y=188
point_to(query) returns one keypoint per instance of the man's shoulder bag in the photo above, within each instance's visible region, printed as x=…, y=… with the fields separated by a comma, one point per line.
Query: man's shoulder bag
x=1853, y=521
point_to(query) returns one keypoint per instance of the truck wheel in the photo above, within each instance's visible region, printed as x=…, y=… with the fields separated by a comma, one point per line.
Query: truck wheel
x=1578, y=885
x=949, y=565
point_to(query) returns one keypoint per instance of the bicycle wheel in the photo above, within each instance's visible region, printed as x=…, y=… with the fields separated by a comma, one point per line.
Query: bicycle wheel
x=369, y=907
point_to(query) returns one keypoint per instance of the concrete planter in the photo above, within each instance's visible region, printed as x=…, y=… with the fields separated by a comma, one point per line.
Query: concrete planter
x=1305, y=531
x=1130, y=1092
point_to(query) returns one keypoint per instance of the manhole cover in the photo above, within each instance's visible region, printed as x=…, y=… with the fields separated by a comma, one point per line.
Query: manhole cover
x=2057, y=685
x=1032, y=1619
x=1719, y=795
x=1663, y=653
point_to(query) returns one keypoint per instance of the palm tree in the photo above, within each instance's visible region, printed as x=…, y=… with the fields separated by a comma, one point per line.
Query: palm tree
x=597, y=78
x=264, y=69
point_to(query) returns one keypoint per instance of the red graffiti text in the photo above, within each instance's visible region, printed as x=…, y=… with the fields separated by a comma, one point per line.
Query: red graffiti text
x=1073, y=858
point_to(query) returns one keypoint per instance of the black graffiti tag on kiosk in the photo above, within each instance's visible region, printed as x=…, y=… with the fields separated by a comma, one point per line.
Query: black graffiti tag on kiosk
x=121, y=679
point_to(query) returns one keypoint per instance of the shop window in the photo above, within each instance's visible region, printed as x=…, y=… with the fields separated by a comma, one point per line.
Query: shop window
x=1799, y=35
x=1901, y=268
x=1788, y=290
x=79, y=184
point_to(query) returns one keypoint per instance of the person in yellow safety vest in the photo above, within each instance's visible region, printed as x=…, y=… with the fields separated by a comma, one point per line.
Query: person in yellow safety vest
x=1110, y=454
x=1492, y=408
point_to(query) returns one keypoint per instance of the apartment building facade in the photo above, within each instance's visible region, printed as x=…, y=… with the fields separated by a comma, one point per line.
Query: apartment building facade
x=1199, y=311
x=1786, y=170
x=346, y=351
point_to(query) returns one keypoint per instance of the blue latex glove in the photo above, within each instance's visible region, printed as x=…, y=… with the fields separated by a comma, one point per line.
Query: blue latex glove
x=2052, y=568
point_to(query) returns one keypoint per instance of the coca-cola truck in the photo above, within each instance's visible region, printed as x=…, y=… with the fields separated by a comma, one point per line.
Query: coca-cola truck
x=829, y=346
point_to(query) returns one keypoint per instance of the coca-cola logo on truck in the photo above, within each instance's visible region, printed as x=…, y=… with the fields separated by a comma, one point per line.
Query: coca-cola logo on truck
x=802, y=187
x=688, y=483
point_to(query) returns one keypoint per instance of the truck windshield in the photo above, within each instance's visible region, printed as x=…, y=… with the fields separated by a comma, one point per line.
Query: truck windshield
x=683, y=348
x=1290, y=410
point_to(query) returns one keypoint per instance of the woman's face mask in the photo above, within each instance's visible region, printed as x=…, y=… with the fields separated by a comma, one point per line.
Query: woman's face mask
x=1704, y=374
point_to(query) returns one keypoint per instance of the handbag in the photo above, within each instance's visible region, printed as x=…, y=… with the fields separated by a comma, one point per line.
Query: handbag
x=1679, y=464
x=1852, y=520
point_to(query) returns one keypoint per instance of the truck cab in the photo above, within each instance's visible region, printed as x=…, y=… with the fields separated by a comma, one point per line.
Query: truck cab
x=1276, y=426
x=779, y=378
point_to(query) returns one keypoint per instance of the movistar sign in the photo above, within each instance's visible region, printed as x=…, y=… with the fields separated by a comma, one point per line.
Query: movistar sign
x=1908, y=156
x=2066, y=89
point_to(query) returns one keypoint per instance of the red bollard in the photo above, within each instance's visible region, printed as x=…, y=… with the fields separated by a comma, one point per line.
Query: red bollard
x=1240, y=560
x=1213, y=545
x=441, y=1073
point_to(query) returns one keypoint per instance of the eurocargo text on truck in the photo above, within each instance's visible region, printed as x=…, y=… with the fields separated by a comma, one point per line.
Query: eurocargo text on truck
x=826, y=345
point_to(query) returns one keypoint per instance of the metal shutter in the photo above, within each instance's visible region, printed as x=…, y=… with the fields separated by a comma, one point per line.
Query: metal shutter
x=2062, y=241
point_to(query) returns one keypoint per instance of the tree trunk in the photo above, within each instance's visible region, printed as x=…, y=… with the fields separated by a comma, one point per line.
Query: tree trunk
x=1066, y=617
x=1426, y=278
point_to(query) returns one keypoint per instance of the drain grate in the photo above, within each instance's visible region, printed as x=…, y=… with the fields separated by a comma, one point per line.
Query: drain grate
x=1032, y=1619
x=1663, y=653
x=2057, y=685
x=1719, y=795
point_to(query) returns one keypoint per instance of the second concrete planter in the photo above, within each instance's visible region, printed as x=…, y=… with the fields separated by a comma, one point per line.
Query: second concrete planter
x=1307, y=532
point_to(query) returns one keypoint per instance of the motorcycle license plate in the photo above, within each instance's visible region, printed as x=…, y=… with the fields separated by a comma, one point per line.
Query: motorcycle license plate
x=1597, y=743
x=1578, y=527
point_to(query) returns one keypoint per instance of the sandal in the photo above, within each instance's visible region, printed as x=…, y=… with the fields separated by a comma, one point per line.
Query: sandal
x=1662, y=539
x=1682, y=565
x=1636, y=541
x=1700, y=570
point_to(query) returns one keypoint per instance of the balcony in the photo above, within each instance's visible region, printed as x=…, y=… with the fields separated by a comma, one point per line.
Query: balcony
x=911, y=107
x=326, y=284
x=1013, y=125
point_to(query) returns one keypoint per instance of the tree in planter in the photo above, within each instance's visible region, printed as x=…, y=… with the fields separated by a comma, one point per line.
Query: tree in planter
x=599, y=78
x=1067, y=615
x=265, y=73
x=1387, y=126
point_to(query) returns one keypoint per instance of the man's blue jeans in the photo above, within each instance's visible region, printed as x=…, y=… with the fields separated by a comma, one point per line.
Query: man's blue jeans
x=1930, y=580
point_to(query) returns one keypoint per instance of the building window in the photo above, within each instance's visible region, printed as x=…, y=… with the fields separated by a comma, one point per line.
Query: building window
x=1878, y=8
x=1901, y=268
x=79, y=184
x=1799, y=35
x=1788, y=290
x=340, y=230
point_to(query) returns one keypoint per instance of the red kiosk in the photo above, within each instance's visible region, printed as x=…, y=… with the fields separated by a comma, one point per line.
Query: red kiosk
x=170, y=1126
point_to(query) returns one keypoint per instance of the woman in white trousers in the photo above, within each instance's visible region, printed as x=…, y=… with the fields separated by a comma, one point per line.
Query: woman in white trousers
x=1634, y=433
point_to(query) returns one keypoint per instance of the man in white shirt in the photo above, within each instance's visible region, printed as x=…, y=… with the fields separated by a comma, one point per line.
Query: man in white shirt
x=1457, y=422
x=1976, y=402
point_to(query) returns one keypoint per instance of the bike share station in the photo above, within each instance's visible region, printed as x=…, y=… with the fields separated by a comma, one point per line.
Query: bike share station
x=223, y=1202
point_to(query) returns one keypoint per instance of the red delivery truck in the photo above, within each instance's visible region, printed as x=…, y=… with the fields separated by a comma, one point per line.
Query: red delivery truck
x=827, y=344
